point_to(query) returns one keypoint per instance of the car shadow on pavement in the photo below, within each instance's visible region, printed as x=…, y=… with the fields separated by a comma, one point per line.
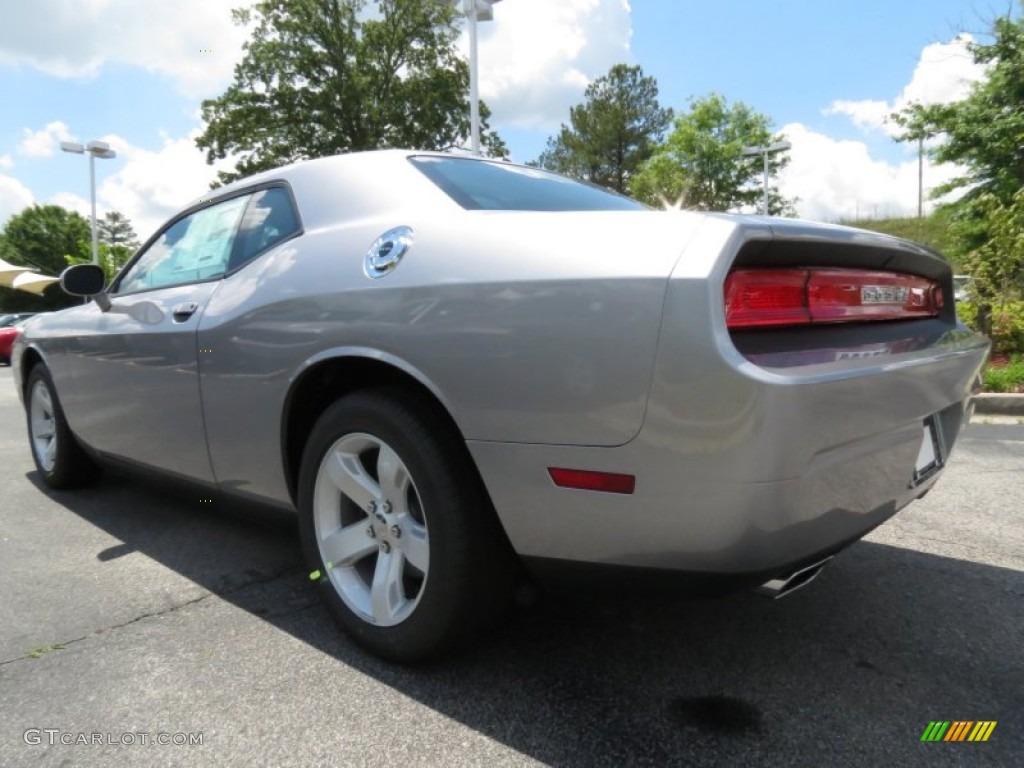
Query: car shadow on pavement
x=885, y=641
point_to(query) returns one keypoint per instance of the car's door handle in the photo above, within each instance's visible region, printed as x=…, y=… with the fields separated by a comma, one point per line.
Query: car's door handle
x=184, y=311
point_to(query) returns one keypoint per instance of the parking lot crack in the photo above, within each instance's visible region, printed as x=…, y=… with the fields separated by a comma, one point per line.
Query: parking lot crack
x=35, y=653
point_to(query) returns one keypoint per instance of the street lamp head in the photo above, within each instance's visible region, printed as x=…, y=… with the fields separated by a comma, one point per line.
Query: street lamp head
x=100, y=149
x=779, y=146
x=483, y=9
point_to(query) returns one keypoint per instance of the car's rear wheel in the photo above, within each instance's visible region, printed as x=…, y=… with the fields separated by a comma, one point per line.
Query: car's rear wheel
x=397, y=528
x=59, y=458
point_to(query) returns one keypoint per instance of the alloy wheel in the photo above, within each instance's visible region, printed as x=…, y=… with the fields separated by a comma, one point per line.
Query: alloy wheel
x=371, y=529
x=43, y=426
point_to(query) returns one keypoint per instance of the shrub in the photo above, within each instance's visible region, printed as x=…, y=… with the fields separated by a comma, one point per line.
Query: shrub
x=1007, y=324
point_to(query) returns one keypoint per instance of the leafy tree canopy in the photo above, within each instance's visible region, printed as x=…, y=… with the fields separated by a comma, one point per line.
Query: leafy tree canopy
x=984, y=134
x=985, y=131
x=997, y=264
x=701, y=165
x=117, y=243
x=41, y=237
x=110, y=257
x=321, y=77
x=612, y=133
x=116, y=229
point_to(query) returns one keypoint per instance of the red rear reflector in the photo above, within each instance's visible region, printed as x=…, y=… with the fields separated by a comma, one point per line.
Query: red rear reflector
x=586, y=480
x=758, y=297
x=766, y=297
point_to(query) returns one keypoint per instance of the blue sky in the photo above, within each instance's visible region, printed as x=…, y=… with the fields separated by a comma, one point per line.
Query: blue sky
x=132, y=72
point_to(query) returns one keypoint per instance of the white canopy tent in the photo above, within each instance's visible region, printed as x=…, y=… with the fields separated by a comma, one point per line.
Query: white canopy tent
x=24, y=278
x=10, y=271
x=33, y=282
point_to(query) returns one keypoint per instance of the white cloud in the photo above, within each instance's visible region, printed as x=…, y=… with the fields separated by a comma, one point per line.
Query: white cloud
x=43, y=143
x=76, y=38
x=840, y=180
x=943, y=74
x=148, y=186
x=14, y=197
x=153, y=184
x=867, y=114
x=537, y=56
x=6, y=161
x=72, y=202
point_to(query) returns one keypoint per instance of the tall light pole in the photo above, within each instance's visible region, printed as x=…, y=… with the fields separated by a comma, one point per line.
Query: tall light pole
x=920, y=177
x=475, y=10
x=94, y=149
x=766, y=150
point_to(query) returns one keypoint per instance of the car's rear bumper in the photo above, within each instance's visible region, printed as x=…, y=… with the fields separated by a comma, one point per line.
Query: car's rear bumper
x=741, y=469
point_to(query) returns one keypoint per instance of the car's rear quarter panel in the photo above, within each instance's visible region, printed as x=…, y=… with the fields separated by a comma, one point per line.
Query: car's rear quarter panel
x=740, y=467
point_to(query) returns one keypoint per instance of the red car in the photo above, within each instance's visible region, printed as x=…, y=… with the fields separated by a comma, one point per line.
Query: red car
x=7, y=337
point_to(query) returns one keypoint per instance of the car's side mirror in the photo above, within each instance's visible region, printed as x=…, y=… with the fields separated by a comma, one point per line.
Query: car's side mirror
x=86, y=280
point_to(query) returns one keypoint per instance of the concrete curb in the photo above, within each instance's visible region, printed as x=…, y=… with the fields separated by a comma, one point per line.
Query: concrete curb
x=1000, y=404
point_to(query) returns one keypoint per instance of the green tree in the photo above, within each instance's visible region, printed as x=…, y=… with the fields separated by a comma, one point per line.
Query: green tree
x=111, y=258
x=42, y=237
x=701, y=165
x=612, y=133
x=117, y=242
x=321, y=77
x=984, y=134
x=116, y=229
x=997, y=264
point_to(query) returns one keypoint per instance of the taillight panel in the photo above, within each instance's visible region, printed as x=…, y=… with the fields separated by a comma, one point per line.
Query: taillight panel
x=757, y=298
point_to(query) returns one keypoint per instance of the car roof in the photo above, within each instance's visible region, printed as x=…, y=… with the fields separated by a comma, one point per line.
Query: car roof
x=366, y=182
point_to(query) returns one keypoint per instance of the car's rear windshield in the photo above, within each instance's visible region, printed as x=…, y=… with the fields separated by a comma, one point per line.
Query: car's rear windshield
x=496, y=186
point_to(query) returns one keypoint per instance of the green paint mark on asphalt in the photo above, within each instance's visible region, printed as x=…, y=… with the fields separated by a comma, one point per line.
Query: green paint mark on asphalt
x=35, y=653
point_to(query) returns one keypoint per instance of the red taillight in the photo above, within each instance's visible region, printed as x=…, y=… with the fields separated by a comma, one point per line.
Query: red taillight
x=759, y=297
x=766, y=297
x=588, y=480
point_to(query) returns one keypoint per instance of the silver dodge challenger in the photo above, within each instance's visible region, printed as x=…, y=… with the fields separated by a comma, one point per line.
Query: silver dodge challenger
x=458, y=371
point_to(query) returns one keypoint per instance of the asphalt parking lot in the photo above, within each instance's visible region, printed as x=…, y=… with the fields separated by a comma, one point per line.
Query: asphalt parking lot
x=126, y=612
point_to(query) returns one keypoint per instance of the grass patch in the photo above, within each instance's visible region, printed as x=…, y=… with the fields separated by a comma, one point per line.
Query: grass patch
x=1005, y=374
x=932, y=231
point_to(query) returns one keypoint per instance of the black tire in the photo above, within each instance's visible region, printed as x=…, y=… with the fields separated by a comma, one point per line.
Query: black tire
x=471, y=573
x=71, y=467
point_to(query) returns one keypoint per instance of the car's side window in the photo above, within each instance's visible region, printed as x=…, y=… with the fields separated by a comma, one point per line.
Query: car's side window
x=269, y=219
x=196, y=247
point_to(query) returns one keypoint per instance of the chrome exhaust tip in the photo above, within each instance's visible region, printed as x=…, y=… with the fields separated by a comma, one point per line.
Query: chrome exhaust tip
x=787, y=584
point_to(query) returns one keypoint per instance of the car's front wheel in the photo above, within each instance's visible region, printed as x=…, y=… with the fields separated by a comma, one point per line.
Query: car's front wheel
x=59, y=458
x=397, y=528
